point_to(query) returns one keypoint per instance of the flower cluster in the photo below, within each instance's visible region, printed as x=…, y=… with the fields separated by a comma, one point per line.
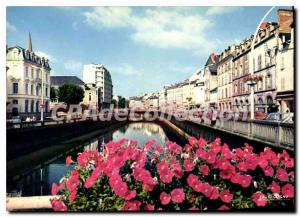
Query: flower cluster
x=199, y=176
x=253, y=78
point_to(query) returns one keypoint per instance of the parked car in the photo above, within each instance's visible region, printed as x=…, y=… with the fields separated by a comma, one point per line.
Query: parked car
x=14, y=120
x=280, y=117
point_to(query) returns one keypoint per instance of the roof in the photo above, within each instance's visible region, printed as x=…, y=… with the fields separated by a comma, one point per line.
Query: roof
x=61, y=80
x=31, y=56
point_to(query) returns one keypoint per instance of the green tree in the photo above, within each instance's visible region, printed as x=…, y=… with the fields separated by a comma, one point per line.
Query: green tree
x=70, y=94
x=53, y=94
x=121, y=102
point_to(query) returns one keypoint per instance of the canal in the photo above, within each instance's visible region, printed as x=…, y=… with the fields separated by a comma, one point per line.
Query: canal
x=38, y=181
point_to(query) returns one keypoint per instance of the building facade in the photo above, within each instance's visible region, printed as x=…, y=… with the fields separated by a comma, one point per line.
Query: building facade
x=97, y=74
x=25, y=73
x=211, y=81
x=241, y=90
x=285, y=62
x=224, y=72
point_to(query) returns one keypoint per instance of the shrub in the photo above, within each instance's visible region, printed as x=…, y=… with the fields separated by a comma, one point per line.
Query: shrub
x=200, y=176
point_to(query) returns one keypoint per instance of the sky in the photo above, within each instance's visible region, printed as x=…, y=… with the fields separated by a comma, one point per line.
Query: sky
x=144, y=48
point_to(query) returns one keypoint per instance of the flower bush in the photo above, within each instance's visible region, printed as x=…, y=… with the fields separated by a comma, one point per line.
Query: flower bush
x=199, y=176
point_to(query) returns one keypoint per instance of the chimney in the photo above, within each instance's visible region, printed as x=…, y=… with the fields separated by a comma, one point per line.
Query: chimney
x=30, y=43
x=285, y=20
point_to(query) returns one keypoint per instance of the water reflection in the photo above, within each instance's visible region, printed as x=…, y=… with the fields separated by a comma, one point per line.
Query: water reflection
x=39, y=182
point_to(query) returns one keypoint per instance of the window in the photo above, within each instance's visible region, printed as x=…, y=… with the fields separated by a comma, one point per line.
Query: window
x=37, y=106
x=38, y=73
x=259, y=62
x=15, y=88
x=37, y=90
x=32, y=106
x=31, y=90
x=269, y=100
x=46, y=91
x=90, y=97
x=26, y=89
x=32, y=72
x=26, y=72
x=254, y=65
x=15, y=102
x=26, y=105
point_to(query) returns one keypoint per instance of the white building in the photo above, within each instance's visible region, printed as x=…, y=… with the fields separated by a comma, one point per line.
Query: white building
x=25, y=73
x=211, y=81
x=97, y=74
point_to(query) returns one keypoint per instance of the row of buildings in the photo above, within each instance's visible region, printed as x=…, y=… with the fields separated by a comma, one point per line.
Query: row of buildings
x=28, y=83
x=221, y=83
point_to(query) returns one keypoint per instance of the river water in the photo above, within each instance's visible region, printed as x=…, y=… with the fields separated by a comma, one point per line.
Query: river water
x=39, y=181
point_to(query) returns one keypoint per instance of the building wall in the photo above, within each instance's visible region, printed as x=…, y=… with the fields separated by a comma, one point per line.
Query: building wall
x=225, y=67
x=28, y=76
x=99, y=75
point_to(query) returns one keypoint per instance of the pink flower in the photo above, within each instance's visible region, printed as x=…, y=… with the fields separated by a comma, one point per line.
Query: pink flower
x=193, y=141
x=214, y=194
x=289, y=163
x=58, y=205
x=189, y=165
x=54, y=189
x=262, y=162
x=210, y=157
x=282, y=175
x=204, y=169
x=176, y=168
x=89, y=182
x=227, y=174
x=68, y=161
x=165, y=198
x=177, y=195
x=72, y=196
x=206, y=189
x=288, y=191
x=226, y=196
x=259, y=199
x=245, y=180
x=192, y=180
x=268, y=171
x=129, y=195
x=133, y=205
x=73, y=181
x=274, y=187
x=149, y=207
x=166, y=177
x=223, y=207
x=242, y=166
x=223, y=164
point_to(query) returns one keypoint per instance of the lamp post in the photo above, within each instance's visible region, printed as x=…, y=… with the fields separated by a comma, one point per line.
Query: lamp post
x=252, y=71
x=42, y=98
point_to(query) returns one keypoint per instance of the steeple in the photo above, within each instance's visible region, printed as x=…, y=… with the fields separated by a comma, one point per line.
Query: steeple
x=30, y=43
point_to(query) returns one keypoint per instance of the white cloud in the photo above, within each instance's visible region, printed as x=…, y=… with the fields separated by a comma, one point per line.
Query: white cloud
x=73, y=65
x=10, y=27
x=216, y=10
x=45, y=55
x=159, y=27
x=108, y=17
x=126, y=70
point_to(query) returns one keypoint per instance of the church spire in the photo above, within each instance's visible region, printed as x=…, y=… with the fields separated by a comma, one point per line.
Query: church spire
x=30, y=43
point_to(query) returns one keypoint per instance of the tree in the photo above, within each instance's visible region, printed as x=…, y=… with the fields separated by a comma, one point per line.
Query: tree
x=70, y=94
x=53, y=94
x=121, y=102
